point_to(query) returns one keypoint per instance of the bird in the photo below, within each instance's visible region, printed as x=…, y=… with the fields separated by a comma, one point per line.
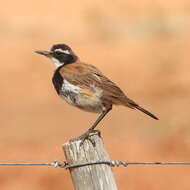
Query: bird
x=85, y=86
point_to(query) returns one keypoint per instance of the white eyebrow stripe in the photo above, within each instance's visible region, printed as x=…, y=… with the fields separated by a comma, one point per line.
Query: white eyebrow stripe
x=63, y=51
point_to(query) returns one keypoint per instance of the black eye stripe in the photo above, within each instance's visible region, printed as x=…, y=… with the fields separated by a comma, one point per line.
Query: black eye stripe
x=58, y=53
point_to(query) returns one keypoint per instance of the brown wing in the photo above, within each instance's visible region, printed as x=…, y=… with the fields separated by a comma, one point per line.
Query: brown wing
x=87, y=76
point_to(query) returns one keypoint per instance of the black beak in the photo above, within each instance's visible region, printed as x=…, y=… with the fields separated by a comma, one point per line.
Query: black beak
x=42, y=52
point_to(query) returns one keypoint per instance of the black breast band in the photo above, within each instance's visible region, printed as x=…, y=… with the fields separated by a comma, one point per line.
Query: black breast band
x=57, y=80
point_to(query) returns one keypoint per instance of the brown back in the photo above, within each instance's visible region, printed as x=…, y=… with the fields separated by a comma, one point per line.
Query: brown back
x=87, y=76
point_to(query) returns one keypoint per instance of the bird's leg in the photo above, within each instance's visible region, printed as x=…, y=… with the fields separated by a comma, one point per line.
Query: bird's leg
x=101, y=116
x=85, y=136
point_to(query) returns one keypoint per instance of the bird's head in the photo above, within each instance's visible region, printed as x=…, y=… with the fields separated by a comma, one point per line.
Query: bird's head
x=60, y=54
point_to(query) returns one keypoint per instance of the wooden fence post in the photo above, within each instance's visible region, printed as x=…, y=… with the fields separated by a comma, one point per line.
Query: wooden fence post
x=92, y=177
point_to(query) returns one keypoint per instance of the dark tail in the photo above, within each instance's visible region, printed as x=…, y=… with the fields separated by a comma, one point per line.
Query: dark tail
x=145, y=111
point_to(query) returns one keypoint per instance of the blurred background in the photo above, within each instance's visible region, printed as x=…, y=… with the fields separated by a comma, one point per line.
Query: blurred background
x=143, y=46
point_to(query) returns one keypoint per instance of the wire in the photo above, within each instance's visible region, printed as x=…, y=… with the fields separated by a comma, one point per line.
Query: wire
x=82, y=164
x=54, y=164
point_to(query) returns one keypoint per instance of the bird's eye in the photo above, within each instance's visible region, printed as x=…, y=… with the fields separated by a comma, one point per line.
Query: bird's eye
x=58, y=53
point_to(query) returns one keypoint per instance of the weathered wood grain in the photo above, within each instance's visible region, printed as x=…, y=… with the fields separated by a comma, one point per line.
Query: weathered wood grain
x=93, y=177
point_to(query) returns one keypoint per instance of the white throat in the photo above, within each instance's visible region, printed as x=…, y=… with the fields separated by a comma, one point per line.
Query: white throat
x=56, y=62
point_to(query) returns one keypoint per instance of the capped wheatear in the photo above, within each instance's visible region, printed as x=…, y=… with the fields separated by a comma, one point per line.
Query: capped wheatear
x=84, y=86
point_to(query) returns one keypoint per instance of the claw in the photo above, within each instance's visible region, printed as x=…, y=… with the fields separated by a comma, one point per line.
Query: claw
x=98, y=132
x=87, y=136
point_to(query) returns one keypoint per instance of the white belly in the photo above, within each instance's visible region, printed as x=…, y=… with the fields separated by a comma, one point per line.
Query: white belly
x=84, y=99
x=69, y=92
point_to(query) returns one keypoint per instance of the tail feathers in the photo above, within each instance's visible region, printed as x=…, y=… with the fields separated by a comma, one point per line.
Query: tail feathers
x=145, y=111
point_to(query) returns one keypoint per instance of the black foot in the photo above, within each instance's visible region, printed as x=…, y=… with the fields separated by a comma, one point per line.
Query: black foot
x=87, y=136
